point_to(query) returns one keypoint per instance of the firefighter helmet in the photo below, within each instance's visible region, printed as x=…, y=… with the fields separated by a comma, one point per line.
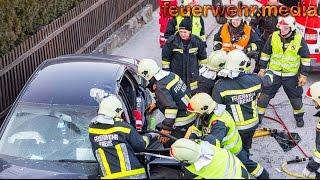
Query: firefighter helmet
x=201, y=103
x=111, y=107
x=314, y=92
x=185, y=150
x=147, y=68
x=287, y=21
x=237, y=60
x=217, y=60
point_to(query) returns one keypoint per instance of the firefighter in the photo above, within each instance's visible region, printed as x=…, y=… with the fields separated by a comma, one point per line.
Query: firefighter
x=208, y=75
x=236, y=34
x=197, y=23
x=172, y=97
x=286, y=53
x=206, y=161
x=266, y=25
x=183, y=54
x=164, y=18
x=114, y=142
x=221, y=129
x=313, y=166
x=237, y=92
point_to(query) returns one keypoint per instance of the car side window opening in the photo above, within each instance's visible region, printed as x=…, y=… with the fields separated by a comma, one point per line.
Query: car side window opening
x=134, y=96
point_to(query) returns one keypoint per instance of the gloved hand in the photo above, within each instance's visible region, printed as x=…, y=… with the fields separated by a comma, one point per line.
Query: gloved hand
x=262, y=72
x=302, y=80
x=306, y=173
x=151, y=107
x=163, y=139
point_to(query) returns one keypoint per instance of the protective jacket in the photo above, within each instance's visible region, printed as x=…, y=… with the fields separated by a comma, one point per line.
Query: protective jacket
x=184, y=58
x=173, y=96
x=242, y=37
x=224, y=165
x=239, y=95
x=286, y=57
x=114, y=146
x=197, y=27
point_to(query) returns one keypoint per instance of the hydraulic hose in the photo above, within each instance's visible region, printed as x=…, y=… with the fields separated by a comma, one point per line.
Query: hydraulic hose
x=281, y=122
x=294, y=174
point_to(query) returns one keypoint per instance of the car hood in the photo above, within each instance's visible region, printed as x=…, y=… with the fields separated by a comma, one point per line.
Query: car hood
x=15, y=168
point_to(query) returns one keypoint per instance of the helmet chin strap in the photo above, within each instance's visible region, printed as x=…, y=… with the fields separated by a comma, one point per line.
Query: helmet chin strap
x=286, y=35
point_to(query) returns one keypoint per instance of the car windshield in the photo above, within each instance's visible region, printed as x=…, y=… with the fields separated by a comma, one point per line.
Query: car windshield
x=49, y=132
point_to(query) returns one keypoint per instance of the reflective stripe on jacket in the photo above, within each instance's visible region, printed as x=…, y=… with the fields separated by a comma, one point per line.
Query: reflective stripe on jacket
x=114, y=147
x=232, y=141
x=285, y=63
x=224, y=165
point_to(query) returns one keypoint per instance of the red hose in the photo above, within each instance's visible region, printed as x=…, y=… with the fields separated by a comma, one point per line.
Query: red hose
x=281, y=122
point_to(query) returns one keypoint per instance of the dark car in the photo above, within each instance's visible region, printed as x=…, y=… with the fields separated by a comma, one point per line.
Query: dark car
x=45, y=133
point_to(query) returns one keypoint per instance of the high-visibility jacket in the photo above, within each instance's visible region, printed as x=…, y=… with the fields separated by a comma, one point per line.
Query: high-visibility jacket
x=224, y=165
x=197, y=27
x=285, y=62
x=227, y=44
x=114, y=147
x=232, y=141
x=286, y=57
x=314, y=164
x=173, y=96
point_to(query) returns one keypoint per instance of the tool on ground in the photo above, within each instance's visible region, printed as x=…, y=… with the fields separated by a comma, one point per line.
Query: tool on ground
x=294, y=174
x=284, y=140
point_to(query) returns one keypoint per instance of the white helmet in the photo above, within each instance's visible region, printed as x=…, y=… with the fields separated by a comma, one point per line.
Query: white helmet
x=217, y=60
x=111, y=107
x=185, y=150
x=147, y=68
x=201, y=103
x=314, y=92
x=237, y=60
x=287, y=21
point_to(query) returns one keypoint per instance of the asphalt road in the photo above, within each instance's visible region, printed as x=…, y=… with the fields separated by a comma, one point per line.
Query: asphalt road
x=265, y=150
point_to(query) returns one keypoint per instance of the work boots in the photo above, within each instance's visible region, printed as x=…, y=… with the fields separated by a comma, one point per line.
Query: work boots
x=299, y=120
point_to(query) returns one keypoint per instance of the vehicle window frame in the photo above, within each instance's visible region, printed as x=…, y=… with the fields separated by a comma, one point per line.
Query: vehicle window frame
x=126, y=104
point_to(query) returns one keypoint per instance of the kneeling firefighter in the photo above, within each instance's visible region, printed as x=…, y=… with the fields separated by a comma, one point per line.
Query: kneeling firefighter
x=221, y=129
x=206, y=161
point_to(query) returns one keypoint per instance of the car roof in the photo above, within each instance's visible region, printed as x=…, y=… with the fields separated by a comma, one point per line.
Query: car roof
x=113, y=66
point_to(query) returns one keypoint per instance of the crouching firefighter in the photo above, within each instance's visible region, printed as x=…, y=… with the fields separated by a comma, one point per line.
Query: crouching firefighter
x=114, y=142
x=314, y=164
x=206, y=161
x=172, y=97
x=220, y=130
x=237, y=92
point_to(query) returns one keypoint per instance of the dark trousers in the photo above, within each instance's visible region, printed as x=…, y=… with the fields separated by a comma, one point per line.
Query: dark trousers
x=292, y=90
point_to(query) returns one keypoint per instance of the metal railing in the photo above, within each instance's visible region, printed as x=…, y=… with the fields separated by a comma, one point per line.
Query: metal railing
x=80, y=30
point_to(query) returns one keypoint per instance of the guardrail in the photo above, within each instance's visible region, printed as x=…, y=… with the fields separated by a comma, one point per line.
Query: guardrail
x=80, y=30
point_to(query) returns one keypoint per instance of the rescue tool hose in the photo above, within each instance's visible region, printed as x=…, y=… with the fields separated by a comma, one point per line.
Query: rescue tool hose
x=293, y=174
x=281, y=122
